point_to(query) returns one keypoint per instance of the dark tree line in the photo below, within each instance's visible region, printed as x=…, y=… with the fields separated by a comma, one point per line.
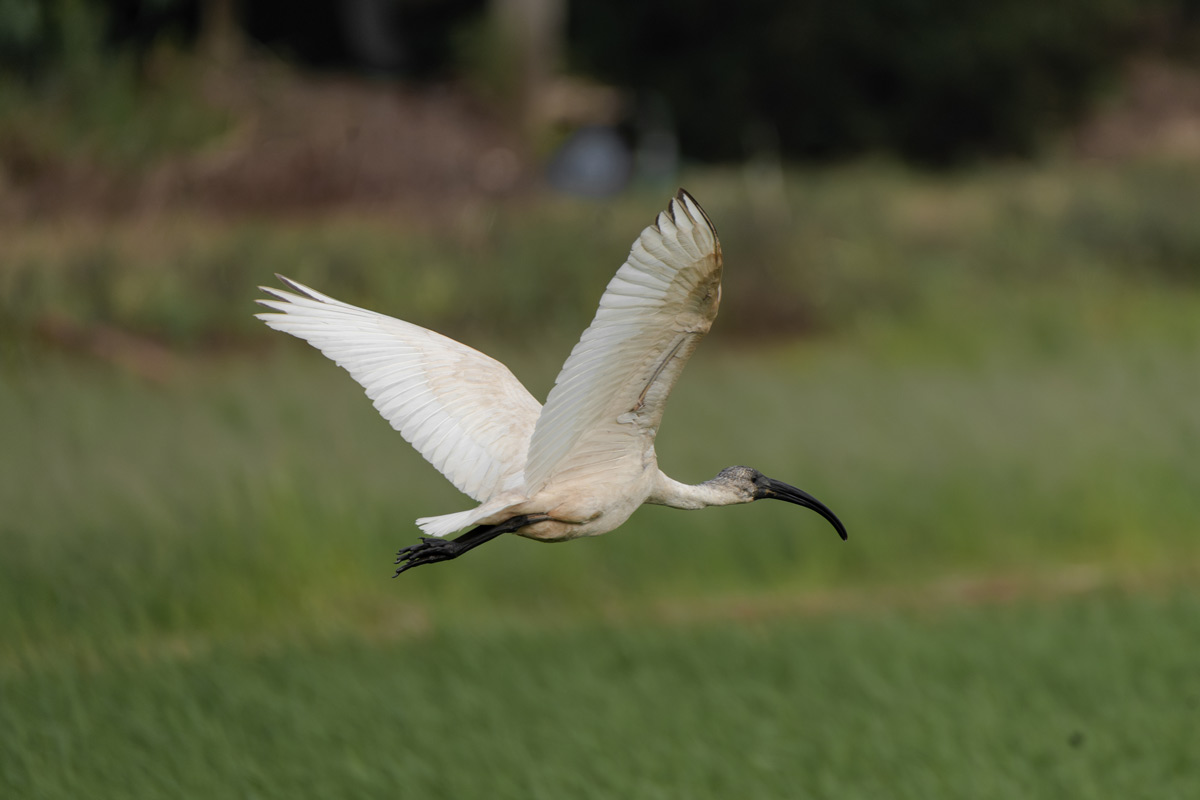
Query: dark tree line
x=936, y=81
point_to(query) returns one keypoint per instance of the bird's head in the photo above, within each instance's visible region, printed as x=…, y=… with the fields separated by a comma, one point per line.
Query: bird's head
x=747, y=485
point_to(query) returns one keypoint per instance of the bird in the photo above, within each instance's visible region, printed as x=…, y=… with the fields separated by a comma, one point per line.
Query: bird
x=581, y=464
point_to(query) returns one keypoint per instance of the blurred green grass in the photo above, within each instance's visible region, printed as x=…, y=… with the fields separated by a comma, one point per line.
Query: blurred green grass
x=85, y=104
x=990, y=376
x=1092, y=698
x=261, y=490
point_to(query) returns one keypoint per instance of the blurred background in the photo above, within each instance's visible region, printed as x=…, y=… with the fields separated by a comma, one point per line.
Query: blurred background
x=961, y=306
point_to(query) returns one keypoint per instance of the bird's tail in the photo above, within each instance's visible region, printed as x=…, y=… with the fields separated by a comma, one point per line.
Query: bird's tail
x=447, y=524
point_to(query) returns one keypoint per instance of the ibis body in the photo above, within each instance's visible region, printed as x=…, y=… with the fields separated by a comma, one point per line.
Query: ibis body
x=584, y=462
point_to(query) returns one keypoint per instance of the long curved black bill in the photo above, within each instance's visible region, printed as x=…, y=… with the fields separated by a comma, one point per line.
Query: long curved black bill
x=778, y=490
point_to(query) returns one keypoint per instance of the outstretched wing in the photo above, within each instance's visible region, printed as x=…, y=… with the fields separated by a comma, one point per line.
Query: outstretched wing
x=608, y=399
x=464, y=412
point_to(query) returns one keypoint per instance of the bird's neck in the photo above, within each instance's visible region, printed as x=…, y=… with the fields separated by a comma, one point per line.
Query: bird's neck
x=670, y=492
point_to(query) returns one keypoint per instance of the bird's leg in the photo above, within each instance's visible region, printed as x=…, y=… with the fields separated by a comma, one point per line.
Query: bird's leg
x=431, y=550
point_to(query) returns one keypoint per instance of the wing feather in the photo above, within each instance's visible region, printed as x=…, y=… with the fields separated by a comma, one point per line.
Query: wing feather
x=608, y=399
x=463, y=411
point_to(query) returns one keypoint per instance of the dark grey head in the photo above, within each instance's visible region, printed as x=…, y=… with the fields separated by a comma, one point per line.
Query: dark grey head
x=757, y=486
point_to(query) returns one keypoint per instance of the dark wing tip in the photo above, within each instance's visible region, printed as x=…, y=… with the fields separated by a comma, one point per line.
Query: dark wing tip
x=288, y=282
x=275, y=294
x=683, y=197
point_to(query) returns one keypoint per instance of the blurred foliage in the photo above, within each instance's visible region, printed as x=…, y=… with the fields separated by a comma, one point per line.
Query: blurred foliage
x=936, y=81
x=38, y=37
x=35, y=35
x=68, y=95
x=837, y=246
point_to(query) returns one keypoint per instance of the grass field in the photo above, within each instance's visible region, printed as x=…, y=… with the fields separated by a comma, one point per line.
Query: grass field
x=991, y=377
x=1092, y=698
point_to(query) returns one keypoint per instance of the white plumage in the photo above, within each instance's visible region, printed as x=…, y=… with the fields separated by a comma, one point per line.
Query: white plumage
x=583, y=463
x=463, y=411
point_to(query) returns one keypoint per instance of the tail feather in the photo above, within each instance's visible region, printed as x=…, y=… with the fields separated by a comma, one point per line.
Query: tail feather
x=446, y=524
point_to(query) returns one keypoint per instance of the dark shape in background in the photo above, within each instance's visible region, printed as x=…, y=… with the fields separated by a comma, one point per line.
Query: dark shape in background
x=594, y=162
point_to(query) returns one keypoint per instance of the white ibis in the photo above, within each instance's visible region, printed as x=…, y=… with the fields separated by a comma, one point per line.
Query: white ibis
x=581, y=464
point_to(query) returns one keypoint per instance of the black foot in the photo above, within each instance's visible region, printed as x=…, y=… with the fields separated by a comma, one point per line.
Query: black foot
x=432, y=550
x=428, y=551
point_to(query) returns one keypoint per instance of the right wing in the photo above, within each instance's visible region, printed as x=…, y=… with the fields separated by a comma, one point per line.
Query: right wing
x=463, y=411
x=608, y=399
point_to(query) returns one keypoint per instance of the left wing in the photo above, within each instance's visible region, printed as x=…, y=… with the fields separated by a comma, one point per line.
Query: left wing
x=608, y=399
x=463, y=411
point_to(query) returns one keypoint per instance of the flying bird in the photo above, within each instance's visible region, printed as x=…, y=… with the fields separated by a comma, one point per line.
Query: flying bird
x=581, y=464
